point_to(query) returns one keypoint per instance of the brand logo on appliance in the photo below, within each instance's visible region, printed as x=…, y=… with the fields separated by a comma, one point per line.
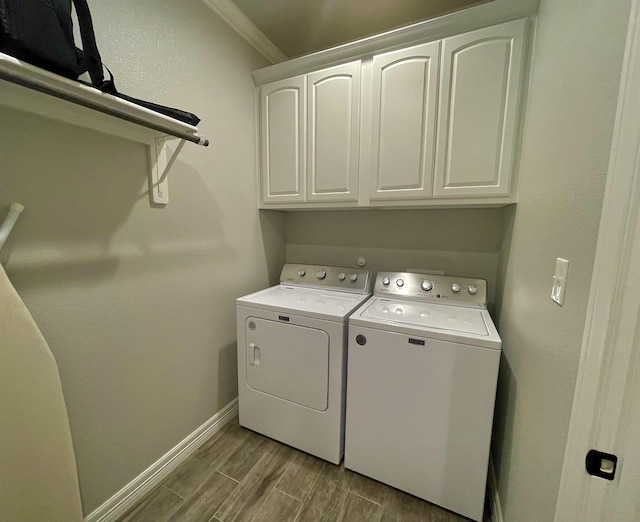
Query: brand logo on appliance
x=416, y=341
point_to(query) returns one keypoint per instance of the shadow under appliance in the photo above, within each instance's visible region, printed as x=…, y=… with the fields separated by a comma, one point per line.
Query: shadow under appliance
x=292, y=356
x=423, y=368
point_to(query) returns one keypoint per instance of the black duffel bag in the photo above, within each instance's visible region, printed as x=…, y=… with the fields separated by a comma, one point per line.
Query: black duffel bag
x=40, y=32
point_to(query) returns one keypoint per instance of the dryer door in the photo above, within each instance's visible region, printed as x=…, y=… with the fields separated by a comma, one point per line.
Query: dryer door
x=288, y=361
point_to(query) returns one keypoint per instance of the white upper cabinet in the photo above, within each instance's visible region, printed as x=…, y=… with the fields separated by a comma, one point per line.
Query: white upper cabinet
x=333, y=129
x=480, y=90
x=434, y=124
x=403, y=116
x=282, y=135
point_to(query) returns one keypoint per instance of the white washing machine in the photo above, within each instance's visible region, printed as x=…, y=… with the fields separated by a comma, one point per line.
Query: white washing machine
x=423, y=367
x=292, y=356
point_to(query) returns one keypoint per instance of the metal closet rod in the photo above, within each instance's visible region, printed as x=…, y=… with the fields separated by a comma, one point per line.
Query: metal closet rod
x=193, y=138
x=7, y=225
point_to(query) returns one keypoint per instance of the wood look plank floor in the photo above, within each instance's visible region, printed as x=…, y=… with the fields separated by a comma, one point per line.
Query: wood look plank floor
x=241, y=476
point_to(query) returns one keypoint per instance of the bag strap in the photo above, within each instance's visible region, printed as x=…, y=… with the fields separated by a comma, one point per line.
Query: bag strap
x=109, y=85
x=92, y=60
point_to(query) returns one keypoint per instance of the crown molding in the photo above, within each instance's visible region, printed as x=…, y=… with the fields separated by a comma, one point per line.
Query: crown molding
x=470, y=19
x=239, y=22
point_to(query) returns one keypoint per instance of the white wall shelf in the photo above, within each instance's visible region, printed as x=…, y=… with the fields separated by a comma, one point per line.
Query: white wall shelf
x=30, y=89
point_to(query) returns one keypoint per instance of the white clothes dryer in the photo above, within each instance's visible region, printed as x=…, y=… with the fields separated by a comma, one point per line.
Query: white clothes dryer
x=292, y=356
x=423, y=367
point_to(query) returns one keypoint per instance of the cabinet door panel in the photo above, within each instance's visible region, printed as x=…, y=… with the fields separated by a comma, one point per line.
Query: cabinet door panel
x=282, y=140
x=404, y=97
x=480, y=92
x=333, y=133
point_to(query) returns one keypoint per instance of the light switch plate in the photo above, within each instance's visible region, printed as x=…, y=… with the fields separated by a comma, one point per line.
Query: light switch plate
x=559, y=280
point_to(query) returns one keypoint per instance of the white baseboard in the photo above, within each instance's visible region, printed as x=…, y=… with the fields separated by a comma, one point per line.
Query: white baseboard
x=496, y=508
x=135, y=490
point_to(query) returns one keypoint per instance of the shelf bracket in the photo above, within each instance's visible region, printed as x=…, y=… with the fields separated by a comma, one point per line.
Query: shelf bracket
x=161, y=159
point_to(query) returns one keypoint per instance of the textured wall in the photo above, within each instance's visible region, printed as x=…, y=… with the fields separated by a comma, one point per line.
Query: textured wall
x=462, y=242
x=568, y=129
x=137, y=303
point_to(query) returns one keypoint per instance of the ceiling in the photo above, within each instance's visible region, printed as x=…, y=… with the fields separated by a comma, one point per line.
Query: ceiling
x=299, y=27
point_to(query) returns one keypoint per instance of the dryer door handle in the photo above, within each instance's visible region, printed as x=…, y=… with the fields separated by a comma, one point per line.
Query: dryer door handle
x=254, y=354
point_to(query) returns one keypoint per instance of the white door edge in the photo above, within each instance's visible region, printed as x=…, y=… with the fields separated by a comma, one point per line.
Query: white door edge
x=607, y=395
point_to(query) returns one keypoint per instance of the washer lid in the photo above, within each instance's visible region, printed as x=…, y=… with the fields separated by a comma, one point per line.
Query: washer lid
x=305, y=301
x=442, y=317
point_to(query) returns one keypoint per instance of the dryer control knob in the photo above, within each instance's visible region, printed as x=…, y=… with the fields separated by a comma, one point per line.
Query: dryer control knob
x=353, y=277
x=321, y=274
x=455, y=287
x=427, y=285
x=386, y=281
x=342, y=276
x=302, y=272
x=472, y=289
x=400, y=283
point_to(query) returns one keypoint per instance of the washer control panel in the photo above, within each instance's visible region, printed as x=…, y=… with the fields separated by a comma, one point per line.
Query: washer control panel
x=451, y=290
x=330, y=277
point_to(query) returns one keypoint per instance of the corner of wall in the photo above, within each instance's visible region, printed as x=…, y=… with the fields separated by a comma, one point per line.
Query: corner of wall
x=494, y=497
x=508, y=219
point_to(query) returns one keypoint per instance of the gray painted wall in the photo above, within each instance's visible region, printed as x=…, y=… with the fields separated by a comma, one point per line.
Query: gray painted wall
x=575, y=77
x=459, y=241
x=137, y=303
x=302, y=27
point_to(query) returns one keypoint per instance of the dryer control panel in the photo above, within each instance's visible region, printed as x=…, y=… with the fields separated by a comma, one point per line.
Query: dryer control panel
x=357, y=280
x=451, y=290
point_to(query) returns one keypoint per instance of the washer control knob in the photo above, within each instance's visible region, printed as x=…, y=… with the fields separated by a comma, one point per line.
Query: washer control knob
x=472, y=289
x=427, y=285
x=399, y=283
x=321, y=274
x=353, y=277
x=455, y=287
x=386, y=281
x=302, y=272
x=342, y=276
